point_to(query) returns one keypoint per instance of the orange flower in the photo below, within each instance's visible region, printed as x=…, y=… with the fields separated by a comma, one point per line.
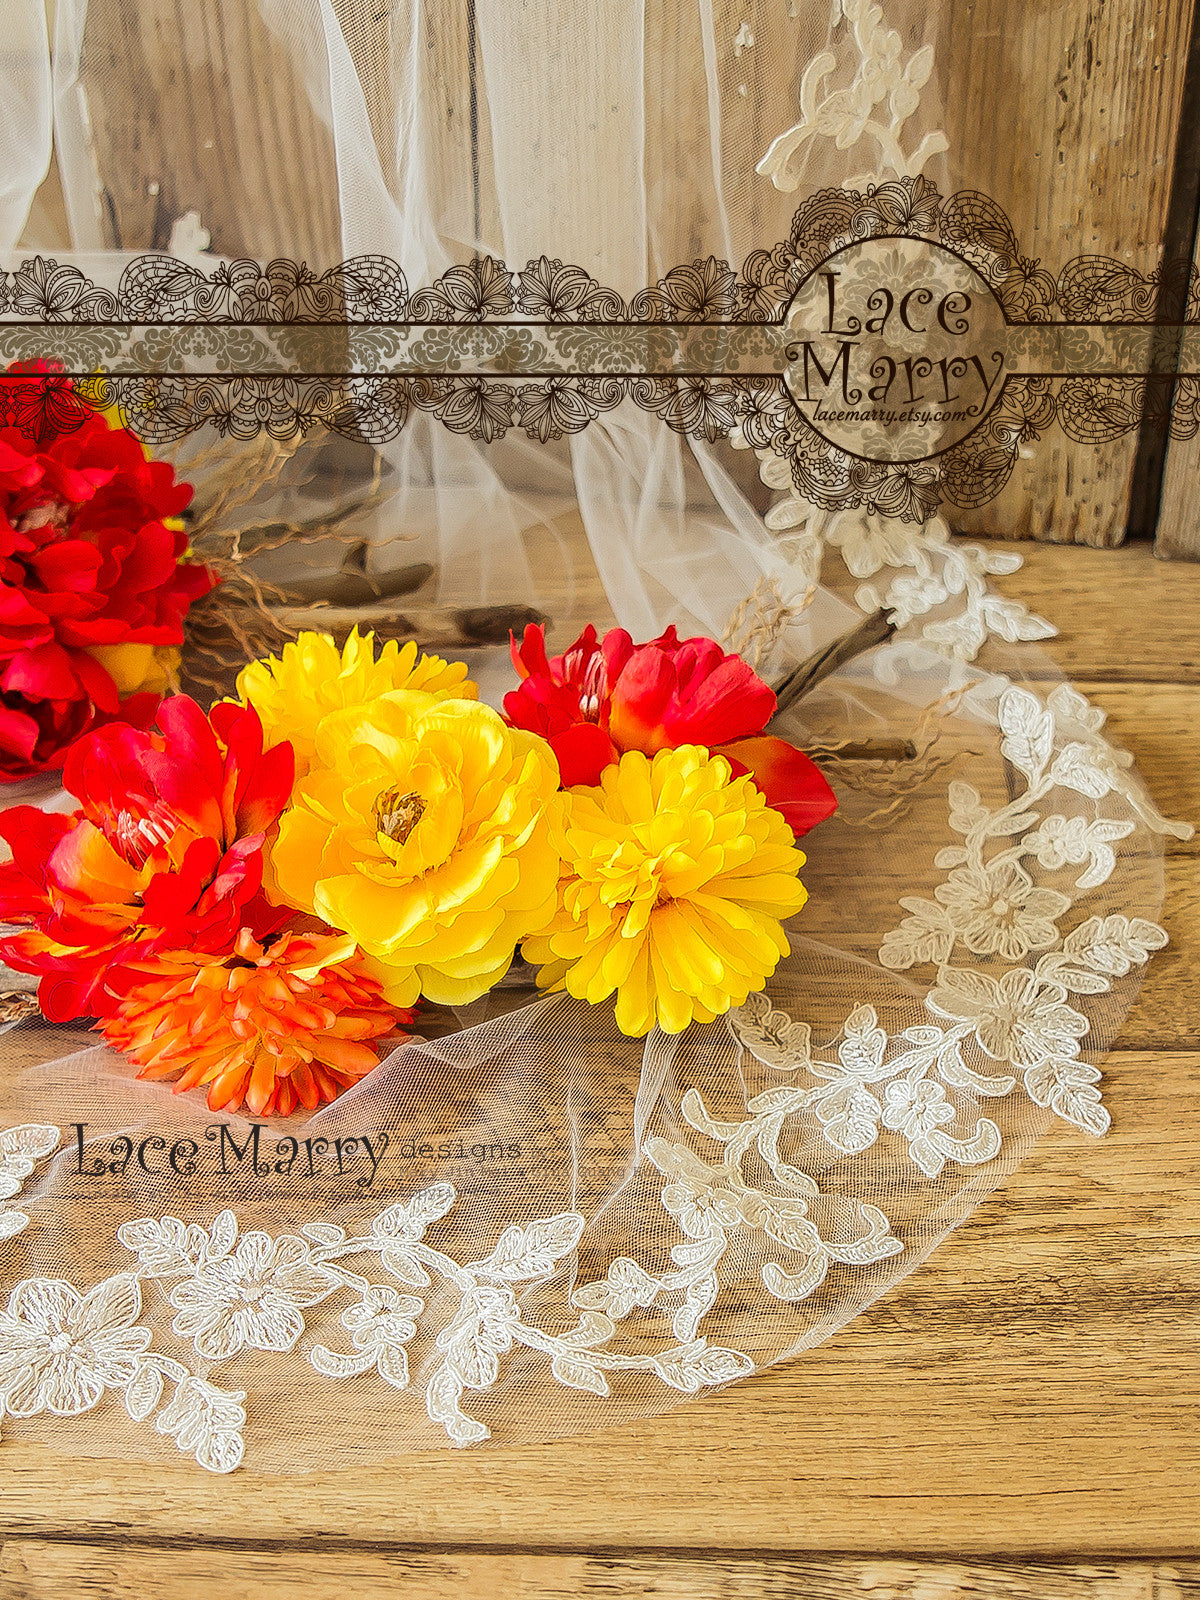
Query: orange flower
x=165, y=853
x=276, y=1025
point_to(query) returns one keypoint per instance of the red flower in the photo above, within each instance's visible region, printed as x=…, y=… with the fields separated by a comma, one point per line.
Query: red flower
x=566, y=701
x=40, y=402
x=164, y=853
x=87, y=562
x=36, y=734
x=672, y=692
x=607, y=696
x=789, y=780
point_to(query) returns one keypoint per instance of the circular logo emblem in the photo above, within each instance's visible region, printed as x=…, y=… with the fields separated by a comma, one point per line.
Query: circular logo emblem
x=896, y=349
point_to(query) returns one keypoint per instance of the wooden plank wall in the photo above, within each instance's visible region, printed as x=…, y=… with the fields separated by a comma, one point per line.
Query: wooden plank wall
x=200, y=108
x=1067, y=116
x=1178, y=537
x=1178, y=533
x=1065, y=113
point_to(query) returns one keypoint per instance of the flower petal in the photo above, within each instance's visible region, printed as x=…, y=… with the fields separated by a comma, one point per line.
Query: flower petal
x=791, y=782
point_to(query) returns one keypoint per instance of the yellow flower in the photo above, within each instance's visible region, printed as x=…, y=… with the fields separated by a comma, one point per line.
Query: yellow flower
x=312, y=677
x=139, y=668
x=676, y=879
x=423, y=829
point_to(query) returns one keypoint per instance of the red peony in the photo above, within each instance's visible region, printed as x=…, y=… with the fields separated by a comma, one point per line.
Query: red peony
x=164, y=853
x=606, y=696
x=40, y=401
x=92, y=581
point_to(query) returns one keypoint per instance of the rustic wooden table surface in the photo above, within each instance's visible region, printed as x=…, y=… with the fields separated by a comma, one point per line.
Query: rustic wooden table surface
x=1019, y=1417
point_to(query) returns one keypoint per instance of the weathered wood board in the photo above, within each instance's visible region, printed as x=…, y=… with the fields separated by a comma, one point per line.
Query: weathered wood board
x=1017, y=1420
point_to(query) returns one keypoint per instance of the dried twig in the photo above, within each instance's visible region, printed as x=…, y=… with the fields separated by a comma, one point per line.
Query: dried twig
x=873, y=630
x=222, y=638
x=235, y=480
x=464, y=626
x=892, y=770
x=864, y=750
x=247, y=615
x=756, y=624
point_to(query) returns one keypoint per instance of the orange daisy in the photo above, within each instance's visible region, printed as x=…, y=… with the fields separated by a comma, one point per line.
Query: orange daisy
x=273, y=1025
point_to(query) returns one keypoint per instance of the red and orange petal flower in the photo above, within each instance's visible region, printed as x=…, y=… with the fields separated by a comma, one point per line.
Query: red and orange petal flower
x=40, y=401
x=271, y=1026
x=89, y=561
x=604, y=697
x=164, y=853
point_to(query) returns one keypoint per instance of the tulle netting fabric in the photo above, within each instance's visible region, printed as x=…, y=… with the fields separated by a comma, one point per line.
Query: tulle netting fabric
x=531, y=1226
x=534, y=1226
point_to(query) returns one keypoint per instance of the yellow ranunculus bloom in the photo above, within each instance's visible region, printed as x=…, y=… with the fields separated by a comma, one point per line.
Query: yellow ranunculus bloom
x=294, y=691
x=676, y=879
x=139, y=668
x=423, y=829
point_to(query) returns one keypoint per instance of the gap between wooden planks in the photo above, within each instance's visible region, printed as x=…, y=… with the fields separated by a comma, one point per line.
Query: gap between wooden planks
x=38, y=1569
x=1032, y=1390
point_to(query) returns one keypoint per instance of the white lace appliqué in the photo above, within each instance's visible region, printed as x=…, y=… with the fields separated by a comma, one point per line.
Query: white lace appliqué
x=20, y=1150
x=917, y=1066
x=919, y=571
x=1013, y=1007
x=849, y=115
x=61, y=1350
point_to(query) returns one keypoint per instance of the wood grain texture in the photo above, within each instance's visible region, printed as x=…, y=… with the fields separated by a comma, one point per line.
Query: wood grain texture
x=38, y=1569
x=1089, y=97
x=202, y=108
x=1158, y=721
x=1031, y=1390
x=1030, y=1395
x=1122, y=617
x=1178, y=535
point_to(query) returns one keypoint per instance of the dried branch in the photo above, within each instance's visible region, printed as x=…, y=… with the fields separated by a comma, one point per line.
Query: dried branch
x=465, y=627
x=873, y=630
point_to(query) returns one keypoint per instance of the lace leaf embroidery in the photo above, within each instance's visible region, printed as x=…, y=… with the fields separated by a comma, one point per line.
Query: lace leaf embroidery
x=20, y=1150
x=849, y=115
x=991, y=905
x=1019, y=1017
x=61, y=1350
x=913, y=1102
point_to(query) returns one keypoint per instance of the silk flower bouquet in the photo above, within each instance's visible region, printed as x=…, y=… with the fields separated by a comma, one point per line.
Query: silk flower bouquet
x=95, y=573
x=252, y=899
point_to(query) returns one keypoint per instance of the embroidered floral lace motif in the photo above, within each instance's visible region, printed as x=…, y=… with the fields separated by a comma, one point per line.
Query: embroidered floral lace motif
x=61, y=1350
x=1014, y=1004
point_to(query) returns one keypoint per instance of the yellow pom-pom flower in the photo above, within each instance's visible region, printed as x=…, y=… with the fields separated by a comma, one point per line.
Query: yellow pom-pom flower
x=423, y=829
x=311, y=677
x=139, y=668
x=676, y=879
